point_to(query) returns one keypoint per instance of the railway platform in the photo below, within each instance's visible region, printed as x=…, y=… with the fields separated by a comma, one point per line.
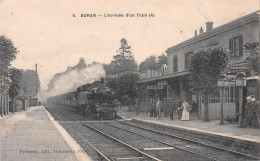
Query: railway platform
x=33, y=135
x=228, y=130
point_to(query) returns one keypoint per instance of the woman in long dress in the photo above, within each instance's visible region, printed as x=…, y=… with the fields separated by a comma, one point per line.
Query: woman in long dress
x=185, y=113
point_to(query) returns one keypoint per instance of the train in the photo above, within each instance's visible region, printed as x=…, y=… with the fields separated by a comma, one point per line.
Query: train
x=95, y=101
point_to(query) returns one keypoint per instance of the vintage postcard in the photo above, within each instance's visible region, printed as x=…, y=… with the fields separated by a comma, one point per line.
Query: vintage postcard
x=129, y=80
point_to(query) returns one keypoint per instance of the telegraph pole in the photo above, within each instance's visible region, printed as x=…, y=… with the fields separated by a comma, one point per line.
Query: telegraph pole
x=36, y=80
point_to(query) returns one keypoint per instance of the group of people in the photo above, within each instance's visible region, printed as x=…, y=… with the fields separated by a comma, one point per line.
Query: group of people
x=169, y=107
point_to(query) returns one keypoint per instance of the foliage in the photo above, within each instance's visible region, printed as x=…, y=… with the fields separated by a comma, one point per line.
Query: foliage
x=127, y=83
x=123, y=61
x=30, y=79
x=7, y=54
x=5, y=82
x=124, y=51
x=19, y=87
x=110, y=68
x=205, y=66
x=253, y=49
x=163, y=60
x=124, y=85
x=111, y=82
x=251, y=119
x=150, y=63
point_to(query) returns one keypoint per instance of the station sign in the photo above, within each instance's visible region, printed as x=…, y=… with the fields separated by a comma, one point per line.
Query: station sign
x=154, y=87
x=162, y=83
x=160, y=87
x=151, y=87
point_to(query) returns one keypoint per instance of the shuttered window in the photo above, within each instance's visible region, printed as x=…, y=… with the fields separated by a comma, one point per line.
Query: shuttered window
x=187, y=61
x=236, y=46
x=175, y=63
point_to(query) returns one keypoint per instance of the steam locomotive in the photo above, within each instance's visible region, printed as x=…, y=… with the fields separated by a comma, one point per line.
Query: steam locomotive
x=94, y=101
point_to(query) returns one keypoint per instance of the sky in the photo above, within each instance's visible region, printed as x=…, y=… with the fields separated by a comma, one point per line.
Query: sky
x=45, y=31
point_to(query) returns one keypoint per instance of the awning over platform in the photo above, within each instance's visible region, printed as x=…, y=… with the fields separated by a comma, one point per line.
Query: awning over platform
x=163, y=77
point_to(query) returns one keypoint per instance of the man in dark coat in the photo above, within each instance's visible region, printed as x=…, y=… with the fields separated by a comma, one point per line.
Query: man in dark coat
x=179, y=109
x=154, y=108
x=150, y=107
x=165, y=107
x=158, y=108
x=171, y=108
x=194, y=107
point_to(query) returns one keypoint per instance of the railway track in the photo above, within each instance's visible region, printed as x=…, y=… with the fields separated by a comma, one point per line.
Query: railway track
x=244, y=147
x=215, y=152
x=98, y=141
x=61, y=111
x=148, y=142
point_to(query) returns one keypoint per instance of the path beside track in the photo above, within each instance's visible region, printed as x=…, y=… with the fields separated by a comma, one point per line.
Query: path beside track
x=33, y=135
x=228, y=130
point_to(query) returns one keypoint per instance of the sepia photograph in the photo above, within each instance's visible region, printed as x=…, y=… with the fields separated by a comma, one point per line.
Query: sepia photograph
x=129, y=80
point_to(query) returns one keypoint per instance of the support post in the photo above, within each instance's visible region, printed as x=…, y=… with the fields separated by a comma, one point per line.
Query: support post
x=4, y=104
x=221, y=106
x=155, y=95
x=138, y=103
x=240, y=83
x=181, y=89
x=168, y=95
x=199, y=105
x=36, y=80
x=146, y=103
x=8, y=103
x=240, y=89
x=1, y=106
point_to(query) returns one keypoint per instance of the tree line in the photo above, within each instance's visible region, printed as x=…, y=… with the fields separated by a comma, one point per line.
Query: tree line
x=16, y=84
x=204, y=65
x=122, y=73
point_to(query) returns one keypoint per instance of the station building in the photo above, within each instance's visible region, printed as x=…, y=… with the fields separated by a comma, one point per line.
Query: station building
x=172, y=82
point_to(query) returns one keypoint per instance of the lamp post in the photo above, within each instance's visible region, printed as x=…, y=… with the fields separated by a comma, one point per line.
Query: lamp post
x=240, y=83
x=221, y=83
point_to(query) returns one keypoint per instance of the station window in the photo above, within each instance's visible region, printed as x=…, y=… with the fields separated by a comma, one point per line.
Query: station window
x=175, y=63
x=187, y=60
x=228, y=95
x=236, y=46
x=214, y=98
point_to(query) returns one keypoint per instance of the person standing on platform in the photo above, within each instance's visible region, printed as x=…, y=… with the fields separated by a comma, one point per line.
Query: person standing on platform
x=185, y=113
x=158, y=108
x=151, y=107
x=171, y=107
x=194, y=107
x=137, y=106
x=179, y=109
x=154, y=108
x=165, y=107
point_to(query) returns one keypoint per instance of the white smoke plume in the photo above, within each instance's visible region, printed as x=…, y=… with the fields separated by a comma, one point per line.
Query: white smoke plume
x=72, y=78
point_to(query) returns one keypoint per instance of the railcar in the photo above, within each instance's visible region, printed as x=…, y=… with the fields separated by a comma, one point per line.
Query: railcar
x=94, y=101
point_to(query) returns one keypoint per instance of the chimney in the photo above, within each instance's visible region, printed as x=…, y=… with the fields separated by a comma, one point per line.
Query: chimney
x=195, y=33
x=209, y=26
x=201, y=30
